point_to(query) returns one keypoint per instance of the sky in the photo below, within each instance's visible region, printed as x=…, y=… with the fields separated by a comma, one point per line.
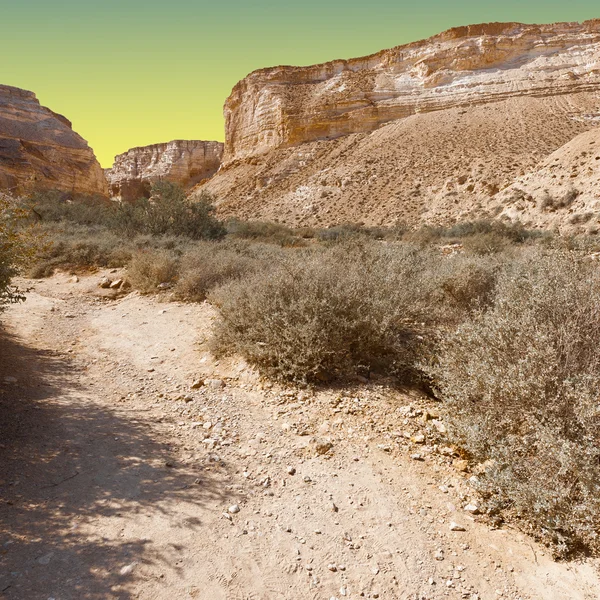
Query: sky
x=136, y=72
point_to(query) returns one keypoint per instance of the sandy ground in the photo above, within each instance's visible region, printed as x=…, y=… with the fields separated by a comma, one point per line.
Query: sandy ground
x=117, y=478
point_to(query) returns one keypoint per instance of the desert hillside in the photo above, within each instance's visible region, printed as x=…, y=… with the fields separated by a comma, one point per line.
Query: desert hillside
x=428, y=132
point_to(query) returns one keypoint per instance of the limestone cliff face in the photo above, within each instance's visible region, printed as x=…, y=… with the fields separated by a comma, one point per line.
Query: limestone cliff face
x=185, y=162
x=431, y=132
x=285, y=106
x=40, y=150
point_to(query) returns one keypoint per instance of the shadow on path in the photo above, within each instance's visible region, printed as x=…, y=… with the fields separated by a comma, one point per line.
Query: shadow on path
x=67, y=462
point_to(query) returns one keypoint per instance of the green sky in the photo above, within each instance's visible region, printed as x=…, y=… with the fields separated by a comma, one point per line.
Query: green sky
x=135, y=72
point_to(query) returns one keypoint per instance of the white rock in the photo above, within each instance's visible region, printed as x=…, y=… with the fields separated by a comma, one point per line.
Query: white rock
x=126, y=570
x=234, y=509
x=456, y=527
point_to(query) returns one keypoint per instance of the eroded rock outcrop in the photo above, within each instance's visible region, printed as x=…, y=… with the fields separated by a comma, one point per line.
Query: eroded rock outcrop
x=429, y=132
x=40, y=150
x=185, y=162
x=286, y=106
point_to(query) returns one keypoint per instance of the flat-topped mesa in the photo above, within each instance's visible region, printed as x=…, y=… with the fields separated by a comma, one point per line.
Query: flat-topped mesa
x=285, y=106
x=185, y=162
x=40, y=150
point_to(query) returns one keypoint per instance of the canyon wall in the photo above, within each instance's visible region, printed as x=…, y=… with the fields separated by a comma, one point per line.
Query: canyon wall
x=185, y=162
x=40, y=150
x=286, y=106
x=429, y=132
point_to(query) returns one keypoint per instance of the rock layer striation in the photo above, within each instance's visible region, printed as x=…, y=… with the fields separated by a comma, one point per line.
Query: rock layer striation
x=40, y=150
x=185, y=162
x=429, y=132
x=285, y=106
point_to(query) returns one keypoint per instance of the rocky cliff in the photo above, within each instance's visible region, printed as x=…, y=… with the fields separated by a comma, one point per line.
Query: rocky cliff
x=430, y=131
x=186, y=162
x=40, y=150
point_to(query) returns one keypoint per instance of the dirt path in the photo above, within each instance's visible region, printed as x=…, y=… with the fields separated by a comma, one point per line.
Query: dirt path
x=117, y=478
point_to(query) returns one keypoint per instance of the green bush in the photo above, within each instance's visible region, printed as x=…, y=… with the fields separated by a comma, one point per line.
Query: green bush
x=521, y=384
x=167, y=212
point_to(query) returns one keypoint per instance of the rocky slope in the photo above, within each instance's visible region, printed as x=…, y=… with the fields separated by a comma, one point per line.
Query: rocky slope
x=186, y=162
x=564, y=189
x=430, y=131
x=40, y=150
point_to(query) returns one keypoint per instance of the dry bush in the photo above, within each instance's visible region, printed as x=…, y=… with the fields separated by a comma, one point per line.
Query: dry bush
x=521, y=384
x=264, y=231
x=327, y=312
x=209, y=265
x=150, y=268
x=75, y=247
x=17, y=246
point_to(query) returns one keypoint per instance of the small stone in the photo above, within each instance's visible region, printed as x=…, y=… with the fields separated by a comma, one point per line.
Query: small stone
x=439, y=554
x=307, y=479
x=227, y=516
x=215, y=384
x=332, y=567
x=207, y=425
x=104, y=283
x=126, y=570
x=472, y=508
x=234, y=509
x=461, y=465
x=431, y=581
x=116, y=284
x=443, y=489
x=334, y=508
x=456, y=527
x=291, y=471
x=416, y=456
x=441, y=428
x=197, y=384
x=323, y=447
x=419, y=438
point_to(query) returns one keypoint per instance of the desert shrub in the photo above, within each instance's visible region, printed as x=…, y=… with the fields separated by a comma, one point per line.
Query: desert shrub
x=460, y=285
x=348, y=231
x=148, y=269
x=265, y=232
x=482, y=237
x=57, y=206
x=17, y=244
x=210, y=264
x=521, y=385
x=328, y=311
x=169, y=212
x=77, y=247
x=550, y=203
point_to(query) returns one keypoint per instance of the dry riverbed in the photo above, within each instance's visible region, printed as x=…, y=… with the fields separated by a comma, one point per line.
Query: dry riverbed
x=134, y=465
